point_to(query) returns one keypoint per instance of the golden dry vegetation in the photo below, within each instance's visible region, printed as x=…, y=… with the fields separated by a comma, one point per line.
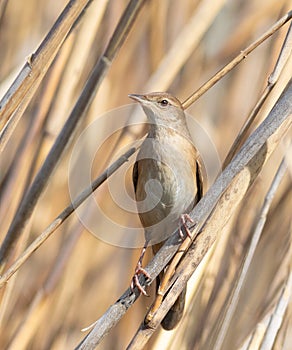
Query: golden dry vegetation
x=79, y=271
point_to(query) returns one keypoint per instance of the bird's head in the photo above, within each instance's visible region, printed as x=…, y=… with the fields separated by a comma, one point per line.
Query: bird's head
x=161, y=108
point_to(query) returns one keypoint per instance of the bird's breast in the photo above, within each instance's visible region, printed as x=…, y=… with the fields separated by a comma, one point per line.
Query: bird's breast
x=166, y=181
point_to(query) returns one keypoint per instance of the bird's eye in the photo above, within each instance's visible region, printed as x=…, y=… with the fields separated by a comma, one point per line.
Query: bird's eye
x=164, y=102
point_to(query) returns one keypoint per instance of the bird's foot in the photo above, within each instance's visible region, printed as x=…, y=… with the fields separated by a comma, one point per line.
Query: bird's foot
x=139, y=270
x=184, y=219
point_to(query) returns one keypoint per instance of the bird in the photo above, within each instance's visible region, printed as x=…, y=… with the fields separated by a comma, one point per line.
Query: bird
x=168, y=181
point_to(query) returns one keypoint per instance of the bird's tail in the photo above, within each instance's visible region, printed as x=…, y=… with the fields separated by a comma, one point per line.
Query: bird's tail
x=174, y=315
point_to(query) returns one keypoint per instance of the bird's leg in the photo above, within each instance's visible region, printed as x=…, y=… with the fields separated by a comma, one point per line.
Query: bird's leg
x=139, y=270
x=184, y=218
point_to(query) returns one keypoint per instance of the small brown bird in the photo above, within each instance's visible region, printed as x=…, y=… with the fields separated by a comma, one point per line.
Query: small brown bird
x=167, y=180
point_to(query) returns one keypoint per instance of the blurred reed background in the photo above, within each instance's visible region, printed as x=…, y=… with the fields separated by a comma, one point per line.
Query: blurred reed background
x=73, y=277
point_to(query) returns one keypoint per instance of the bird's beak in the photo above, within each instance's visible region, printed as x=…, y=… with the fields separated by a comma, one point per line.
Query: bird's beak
x=138, y=98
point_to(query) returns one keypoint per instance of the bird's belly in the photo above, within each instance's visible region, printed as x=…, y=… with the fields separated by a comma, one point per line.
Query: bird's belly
x=164, y=197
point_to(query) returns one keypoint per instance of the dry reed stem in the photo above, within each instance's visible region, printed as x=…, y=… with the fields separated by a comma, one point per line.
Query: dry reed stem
x=77, y=60
x=27, y=81
x=40, y=305
x=277, y=317
x=249, y=255
x=243, y=54
x=28, y=151
x=285, y=53
x=64, y=215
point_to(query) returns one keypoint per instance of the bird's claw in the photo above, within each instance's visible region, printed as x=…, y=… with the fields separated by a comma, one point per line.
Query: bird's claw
x=184, y=218
x=135, y=280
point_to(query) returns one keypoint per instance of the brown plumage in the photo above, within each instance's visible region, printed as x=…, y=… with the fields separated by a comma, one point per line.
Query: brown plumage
x=167, y=177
